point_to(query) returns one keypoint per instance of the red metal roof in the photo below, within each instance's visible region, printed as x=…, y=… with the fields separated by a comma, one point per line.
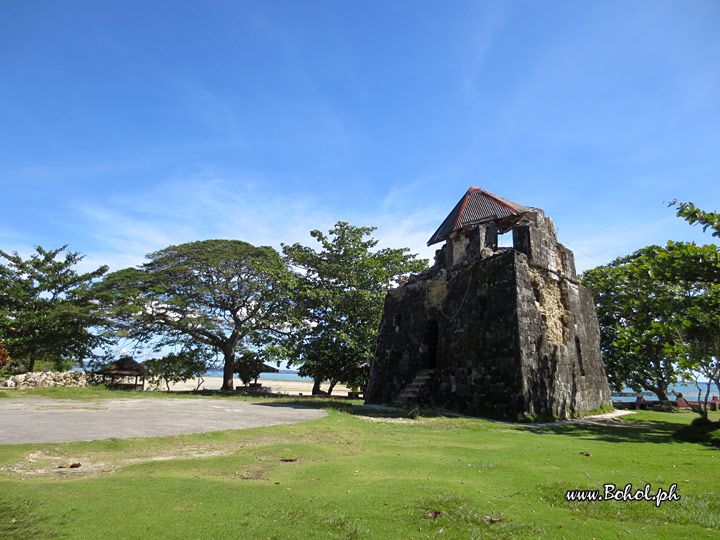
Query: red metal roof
x=477, y=206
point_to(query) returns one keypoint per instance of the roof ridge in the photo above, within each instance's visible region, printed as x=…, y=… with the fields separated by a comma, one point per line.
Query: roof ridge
x=502, y=201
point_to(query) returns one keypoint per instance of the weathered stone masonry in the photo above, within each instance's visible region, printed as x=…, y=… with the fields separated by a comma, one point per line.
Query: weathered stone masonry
x=488, y=331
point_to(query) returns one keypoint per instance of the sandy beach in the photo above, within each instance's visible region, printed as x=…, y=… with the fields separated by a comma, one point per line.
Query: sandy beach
x=290, y=388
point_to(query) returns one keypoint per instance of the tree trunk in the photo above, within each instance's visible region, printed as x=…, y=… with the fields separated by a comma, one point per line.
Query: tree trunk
x=656, y=374
x=228, y=371
x=316, y=387
x=332, y=385
x=661, y=394
x=659, y=391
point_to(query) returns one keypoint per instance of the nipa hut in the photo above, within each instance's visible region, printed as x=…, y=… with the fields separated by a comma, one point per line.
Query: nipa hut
x=123, y=368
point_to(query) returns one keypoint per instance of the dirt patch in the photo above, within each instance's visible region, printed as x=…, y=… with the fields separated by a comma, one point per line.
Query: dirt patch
x=48, y=463
x=387, y=420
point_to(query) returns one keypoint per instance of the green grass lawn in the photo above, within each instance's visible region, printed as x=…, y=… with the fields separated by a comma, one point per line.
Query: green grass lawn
x=352, y=476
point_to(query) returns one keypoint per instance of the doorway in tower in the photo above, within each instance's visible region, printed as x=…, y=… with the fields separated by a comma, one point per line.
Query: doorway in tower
x=431, y=341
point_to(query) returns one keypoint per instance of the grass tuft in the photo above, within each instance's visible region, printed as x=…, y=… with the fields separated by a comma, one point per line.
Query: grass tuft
x=19, y=521
x=345, y=527
x=450, y=514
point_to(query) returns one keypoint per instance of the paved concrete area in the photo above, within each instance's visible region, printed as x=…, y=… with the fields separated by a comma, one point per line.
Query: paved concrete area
x=45, y=420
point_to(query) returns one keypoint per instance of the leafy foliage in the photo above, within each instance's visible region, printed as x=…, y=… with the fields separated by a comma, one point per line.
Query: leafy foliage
x=636, y=312
x=219, y=296
x=177, y=367
x=659, y=312
x=249, y=366
x=339, y=301
x=47, y=310
x=693, y=215
x=700, y=323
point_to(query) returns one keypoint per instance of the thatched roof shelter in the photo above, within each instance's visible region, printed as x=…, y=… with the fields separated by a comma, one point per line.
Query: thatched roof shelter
x=125, y=367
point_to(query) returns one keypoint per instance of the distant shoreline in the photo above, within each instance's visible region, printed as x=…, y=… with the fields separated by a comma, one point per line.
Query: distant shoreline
x=282, y=375
x=290, y=388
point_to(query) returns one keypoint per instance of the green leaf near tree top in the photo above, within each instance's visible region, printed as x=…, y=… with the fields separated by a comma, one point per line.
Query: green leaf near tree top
x=693, y=215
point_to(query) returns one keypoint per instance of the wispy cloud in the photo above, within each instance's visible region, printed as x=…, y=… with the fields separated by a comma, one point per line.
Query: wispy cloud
x=120, y=231
x=488, y=23
x=126, y=228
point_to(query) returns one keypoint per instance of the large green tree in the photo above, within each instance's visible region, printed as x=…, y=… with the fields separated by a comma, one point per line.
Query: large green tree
x=221, y=296
x=339, y=301
x=659, y=311
x=635, y=312
x=699, y=324
x=47, y=313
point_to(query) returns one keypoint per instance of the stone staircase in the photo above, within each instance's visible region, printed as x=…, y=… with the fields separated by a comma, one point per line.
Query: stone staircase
x=412, y=393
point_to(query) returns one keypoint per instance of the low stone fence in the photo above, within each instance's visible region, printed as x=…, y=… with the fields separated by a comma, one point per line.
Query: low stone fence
x=47, y=379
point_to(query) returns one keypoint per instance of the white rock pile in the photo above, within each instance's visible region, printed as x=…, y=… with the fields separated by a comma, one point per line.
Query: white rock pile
x=47, y=379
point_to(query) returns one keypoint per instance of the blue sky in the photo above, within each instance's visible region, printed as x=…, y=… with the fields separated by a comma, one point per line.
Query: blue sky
x=129, y=126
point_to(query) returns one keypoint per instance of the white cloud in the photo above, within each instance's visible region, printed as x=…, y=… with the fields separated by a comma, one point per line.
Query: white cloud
x=487, y=26
x=120, y=231
x=126, y=229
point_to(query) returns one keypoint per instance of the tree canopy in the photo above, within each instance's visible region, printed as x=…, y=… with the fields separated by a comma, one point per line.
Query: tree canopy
x=338, y=299
x=636, y=315
x=176, y=367
x=221, y=296
x=699, y=325
x=659, y=311
x=46, y=308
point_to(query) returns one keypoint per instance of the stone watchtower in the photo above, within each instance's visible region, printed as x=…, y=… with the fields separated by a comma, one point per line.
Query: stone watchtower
x=488, y=331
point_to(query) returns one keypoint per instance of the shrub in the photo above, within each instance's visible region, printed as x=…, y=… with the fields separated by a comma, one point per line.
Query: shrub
x=700, y=430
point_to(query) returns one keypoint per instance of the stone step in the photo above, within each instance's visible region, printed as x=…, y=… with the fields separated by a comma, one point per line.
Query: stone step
x=410, y=393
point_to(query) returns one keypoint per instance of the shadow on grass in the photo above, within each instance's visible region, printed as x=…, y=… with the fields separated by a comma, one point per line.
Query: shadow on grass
x=352, y=407
x=700, y=430
x=321, y=403
x=624, y=432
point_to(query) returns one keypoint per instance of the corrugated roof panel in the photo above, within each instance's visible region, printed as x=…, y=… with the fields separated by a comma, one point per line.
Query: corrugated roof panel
x=481, y=208
x=476, y=206
x=449, y=223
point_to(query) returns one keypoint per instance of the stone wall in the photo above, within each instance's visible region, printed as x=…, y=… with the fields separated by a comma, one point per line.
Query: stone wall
x=505, y=332
x=47, y=379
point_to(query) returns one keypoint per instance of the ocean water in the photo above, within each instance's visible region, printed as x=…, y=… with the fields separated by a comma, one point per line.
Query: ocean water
x=689, y=391
x=282, y=375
